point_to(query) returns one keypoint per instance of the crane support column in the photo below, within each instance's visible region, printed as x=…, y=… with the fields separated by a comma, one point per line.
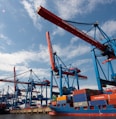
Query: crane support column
x=76, y=76
x=96, y=70
x=51, y=84
x=60, y=74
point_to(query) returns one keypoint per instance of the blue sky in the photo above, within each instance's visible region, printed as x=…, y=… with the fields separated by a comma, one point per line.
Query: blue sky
x=22, y=35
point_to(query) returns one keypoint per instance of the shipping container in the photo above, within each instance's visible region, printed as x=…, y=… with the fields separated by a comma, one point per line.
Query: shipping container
x=112, y=101
x=86, y=91
x=75, y=98
x=100, y=97
x=112, y=96
x=114, y=91
x=97, y=102
x=62, y=102
x=80, y=104
x=81, y=97
x=64, y=97
x=107, y=92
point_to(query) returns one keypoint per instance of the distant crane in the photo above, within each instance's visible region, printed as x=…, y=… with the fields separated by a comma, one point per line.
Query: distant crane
x=29, y=90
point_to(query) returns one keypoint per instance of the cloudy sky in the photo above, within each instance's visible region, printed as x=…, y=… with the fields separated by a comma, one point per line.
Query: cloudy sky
x=23, y=42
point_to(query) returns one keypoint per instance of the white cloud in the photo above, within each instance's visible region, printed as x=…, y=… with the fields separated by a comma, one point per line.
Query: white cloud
x=89, y=86
x=72, y=8
x=110, y=27
x=82, y=62
x=23, y=58
x=2, y=36
x=42, y=73
x=31, y=8
x=4, y=40
x=58, y=31
x=43, y=53
x=68, y=9
x=74, y=40
x=71, y=51
x=37, y=3
x=90, y=5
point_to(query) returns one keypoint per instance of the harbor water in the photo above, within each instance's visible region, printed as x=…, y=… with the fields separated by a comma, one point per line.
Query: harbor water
x=45, y=116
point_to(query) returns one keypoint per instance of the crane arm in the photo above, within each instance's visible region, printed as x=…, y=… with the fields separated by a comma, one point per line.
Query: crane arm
x=63, y=24
x=52, y=60
x=22, y=82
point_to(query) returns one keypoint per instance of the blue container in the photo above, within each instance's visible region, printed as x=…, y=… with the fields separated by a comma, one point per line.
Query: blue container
x=81, y=97
x=97, y=102
x=74, y=98
x=62, y=102
x=107, y=92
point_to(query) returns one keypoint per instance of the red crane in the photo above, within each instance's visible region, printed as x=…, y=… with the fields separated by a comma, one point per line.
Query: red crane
x=52, y=60
x=23, y=82
x=15, y=81
x=63, y=24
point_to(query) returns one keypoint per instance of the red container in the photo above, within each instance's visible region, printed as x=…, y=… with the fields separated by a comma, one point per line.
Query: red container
x=112, y=96
x=86, y=91
x=100, y=97
x=112, y=102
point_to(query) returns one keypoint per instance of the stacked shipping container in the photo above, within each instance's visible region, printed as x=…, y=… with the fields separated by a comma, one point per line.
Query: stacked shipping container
x=62, y=99
x=87, y=97
x=81, y=97
x=110, y=98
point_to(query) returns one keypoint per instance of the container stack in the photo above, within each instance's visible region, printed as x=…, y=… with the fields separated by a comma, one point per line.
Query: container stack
x=112, y=99
x=98, y=100
x=62, y=99
x=81, y=97
x=103, y=99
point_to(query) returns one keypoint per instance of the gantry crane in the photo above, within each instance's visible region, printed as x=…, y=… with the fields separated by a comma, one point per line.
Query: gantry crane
x=31, y=84
x=59, y=67
x=108, y=48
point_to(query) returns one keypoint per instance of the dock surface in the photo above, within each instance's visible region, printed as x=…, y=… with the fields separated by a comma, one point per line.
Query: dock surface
x=31, y=110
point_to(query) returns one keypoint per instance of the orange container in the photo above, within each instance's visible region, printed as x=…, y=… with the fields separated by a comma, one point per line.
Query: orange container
x=61, y=98
x=112, y=102
x=113, y=91
x=112, y=96
x=100, y=97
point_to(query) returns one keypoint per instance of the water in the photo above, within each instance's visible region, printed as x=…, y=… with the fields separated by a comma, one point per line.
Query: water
x=45, y=116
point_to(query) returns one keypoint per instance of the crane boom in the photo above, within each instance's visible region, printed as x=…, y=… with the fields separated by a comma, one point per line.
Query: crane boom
x=63, y=24
x=22, y=82
x=50, y=51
